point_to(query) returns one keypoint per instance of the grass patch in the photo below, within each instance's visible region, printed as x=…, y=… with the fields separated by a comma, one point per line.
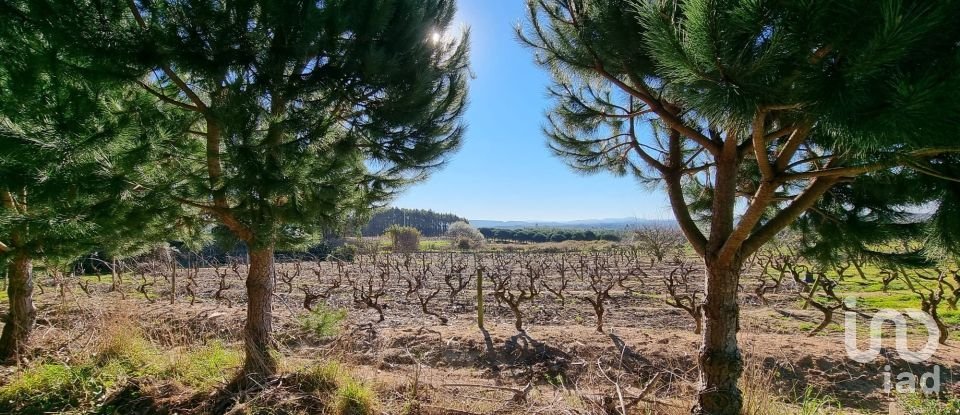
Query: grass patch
x=345, y=395
x=207, y=366
x=760, y=396
x=918, y=404
x=322, y=378
x=434, y=244
x=893, y=300
x=123, y=347
x=122, y=354
x=55, y=388
x=353, y=398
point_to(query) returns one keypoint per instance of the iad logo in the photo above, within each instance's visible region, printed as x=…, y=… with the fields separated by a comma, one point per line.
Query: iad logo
x=876, y=336
x=906, y=381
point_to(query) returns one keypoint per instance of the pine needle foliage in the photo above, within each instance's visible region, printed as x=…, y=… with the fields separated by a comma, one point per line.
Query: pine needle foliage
x=303, y=111
x=73, y=153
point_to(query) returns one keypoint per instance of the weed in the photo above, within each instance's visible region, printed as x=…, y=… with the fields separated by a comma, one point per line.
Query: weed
x=323, y=321
x=813, y=403
x=353, y=398
x=918, y=404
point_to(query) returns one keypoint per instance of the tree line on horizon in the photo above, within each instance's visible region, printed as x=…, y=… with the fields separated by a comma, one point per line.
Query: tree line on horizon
x=550, y=234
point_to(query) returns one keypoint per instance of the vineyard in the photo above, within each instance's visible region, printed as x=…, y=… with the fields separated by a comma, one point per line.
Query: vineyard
x=512, y=330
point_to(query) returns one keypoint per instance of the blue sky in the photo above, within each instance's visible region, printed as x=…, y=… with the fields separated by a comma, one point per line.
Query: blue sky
x=504, y=171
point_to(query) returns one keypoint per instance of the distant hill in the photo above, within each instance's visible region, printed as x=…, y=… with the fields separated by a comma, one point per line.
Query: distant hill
x=428, y=222
x=431, y=223
x=610, y=223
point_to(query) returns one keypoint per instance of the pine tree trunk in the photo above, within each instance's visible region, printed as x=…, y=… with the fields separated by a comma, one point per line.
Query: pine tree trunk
x=22, y=314
x=720, y=361
x=259, y=363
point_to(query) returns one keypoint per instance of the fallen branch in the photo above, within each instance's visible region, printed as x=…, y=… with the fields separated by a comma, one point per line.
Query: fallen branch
x=519, y=395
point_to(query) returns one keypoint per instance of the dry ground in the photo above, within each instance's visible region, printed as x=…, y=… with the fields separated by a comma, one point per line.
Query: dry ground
x=560, y=364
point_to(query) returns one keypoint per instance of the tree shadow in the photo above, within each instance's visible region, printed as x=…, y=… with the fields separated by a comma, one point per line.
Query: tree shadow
x=489, y=349
x=535, y=360
x=629, y=359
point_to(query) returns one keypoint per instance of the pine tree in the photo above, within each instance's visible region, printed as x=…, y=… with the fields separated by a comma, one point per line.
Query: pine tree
x=71, y=153
x=773, y=106
x=304, y=111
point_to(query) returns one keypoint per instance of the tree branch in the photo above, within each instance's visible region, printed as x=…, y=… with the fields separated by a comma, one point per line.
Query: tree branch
x=640, y=151
x=835, y=172
x=668, y=118
x=760, y=146
x=188, y=202
x=779, y=133
x=202, y=107
x=787, y=215
x=790, y=148
x=725, y=181
x=672, y=178
x=167, y=99
x=761, y=200
x=9, y=202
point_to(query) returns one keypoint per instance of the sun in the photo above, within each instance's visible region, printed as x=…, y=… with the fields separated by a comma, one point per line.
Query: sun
x=435, y=37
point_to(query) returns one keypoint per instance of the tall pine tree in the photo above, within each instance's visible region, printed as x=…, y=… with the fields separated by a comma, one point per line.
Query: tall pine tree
x=304, y=111
x=72, y=152
x=763, y=105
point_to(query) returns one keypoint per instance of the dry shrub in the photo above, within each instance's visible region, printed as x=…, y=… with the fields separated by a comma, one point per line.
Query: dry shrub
x=760, y=396
x=404, y=239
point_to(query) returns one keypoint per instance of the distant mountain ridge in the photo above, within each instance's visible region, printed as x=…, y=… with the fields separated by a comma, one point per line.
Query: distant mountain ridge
x=608, y=223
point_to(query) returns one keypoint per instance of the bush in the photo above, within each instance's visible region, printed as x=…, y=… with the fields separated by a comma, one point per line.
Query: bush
x=464, y=236
x=464, y=244
x=404, y=239
x=122, y=353
x=123, y=344
x=345, y=252
x=609, y=236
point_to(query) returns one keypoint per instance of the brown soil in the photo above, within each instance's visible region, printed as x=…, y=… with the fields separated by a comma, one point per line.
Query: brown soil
x=569, y=367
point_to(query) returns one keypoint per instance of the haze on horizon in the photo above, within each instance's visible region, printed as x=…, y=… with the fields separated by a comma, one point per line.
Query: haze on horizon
x=504, y=171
